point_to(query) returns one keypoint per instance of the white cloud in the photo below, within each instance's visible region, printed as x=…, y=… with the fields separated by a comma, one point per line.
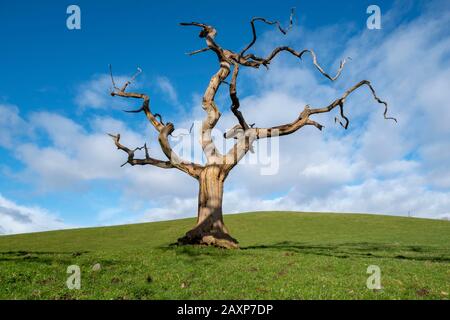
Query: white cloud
x=167, y=88
x=96, y=93
x=11, y=124
x=75, y=155
x=15, y=218
x=394, y=196
x=235, y=201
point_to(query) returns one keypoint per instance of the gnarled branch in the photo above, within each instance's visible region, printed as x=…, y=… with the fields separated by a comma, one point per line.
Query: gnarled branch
x=247, y=137
x=164, y=131
x=190, y=168
x=145, y=100
x=277, y=23
x=132, y=161
x=235, y=104
x=340, y=102
x=197, y=51
x=303, y=119
x=298, y=54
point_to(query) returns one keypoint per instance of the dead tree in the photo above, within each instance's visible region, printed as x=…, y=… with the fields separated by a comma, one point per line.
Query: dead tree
x=210, y=228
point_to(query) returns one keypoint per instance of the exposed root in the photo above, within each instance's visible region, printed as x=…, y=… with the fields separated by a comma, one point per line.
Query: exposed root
x=217, y=239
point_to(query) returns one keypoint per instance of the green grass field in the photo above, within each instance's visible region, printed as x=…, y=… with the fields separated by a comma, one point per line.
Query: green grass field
x=283, y=256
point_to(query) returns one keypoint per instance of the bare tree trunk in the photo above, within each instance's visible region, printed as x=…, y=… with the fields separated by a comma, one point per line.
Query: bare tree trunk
x=210, y=228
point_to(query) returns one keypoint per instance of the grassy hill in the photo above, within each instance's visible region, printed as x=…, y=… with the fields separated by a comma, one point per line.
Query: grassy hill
x=284, y=255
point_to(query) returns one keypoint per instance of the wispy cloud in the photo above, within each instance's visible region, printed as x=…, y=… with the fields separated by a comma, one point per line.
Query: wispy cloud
x=12, y=125
x=96, y=92
x=15, y=218
x=168, y=89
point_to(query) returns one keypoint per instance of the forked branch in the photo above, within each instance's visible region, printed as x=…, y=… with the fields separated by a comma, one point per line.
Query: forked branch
x=132, y=161
x=154, y=119
x=246, y=138
x=277, y=23
x=164, y=131
x=298, y=54
x=303, y=119
x=340, y=102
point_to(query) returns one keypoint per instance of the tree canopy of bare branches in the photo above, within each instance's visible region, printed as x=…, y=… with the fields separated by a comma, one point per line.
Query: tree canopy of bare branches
x=210, y=228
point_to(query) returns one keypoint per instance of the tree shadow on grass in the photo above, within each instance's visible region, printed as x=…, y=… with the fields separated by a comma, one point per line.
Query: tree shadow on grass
x=197, y=252
x=362, y=250
x=45, y=257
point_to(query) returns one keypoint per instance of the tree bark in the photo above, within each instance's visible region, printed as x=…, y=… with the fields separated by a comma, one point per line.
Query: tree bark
x=210, y=228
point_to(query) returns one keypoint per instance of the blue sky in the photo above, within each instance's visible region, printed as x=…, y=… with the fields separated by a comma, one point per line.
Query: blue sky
x=49, y=60
x=56, y=108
